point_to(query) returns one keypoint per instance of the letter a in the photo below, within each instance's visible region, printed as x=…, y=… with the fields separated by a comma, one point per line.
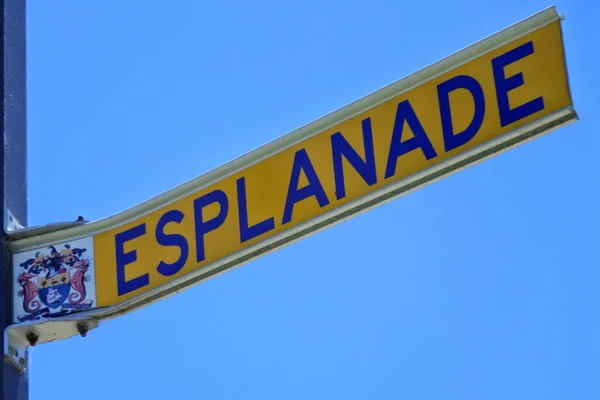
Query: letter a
x=420, y=140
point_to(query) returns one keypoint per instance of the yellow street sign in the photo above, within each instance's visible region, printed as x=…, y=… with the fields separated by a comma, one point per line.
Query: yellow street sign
x=491, y=96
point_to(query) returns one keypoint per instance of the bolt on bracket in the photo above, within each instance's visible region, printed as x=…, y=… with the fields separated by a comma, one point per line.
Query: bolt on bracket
x=19, y=337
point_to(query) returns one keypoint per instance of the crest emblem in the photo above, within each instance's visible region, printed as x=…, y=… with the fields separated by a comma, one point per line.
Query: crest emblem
x=54, y=281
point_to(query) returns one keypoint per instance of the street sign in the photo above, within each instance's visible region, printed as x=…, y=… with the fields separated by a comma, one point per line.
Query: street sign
x=487, y=98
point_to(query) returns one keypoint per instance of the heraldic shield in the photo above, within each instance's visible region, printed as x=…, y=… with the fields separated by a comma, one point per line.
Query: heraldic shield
x=54, y=291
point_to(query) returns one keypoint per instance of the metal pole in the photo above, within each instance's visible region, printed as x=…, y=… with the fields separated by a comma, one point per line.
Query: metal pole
x=14, y=385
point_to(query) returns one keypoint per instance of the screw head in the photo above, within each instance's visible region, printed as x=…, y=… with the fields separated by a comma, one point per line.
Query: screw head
x=32, y=338
x=82, y=328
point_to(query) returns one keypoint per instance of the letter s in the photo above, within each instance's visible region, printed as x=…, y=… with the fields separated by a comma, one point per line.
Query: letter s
x=177, y=240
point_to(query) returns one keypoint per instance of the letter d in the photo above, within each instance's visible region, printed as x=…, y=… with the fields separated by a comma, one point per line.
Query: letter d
x=453, y=140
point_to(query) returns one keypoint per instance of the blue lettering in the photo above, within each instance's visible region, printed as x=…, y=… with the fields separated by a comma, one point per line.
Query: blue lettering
x=249, y=232
x=340, y=147
x=314, y=187
x=453, y=140
x=122, y=259
x=171, y=240
x=406, y=113
x=504, y=85
x=202, y=227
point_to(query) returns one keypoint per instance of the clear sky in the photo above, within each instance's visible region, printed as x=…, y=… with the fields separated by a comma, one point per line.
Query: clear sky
x=481, y=286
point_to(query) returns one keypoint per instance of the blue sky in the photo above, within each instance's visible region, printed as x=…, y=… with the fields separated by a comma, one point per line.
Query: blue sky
x=481, y=286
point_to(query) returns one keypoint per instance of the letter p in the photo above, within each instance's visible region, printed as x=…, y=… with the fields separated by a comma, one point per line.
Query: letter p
x=202, y=227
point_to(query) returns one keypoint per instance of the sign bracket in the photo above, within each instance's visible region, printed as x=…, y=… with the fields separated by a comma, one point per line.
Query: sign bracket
x=19, y=337
x=12, y=224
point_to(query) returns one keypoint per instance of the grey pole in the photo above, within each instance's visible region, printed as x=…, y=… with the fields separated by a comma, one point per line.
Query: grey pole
x=14, y=385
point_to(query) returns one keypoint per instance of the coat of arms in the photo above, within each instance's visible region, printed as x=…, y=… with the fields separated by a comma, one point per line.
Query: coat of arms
x=53, y=283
